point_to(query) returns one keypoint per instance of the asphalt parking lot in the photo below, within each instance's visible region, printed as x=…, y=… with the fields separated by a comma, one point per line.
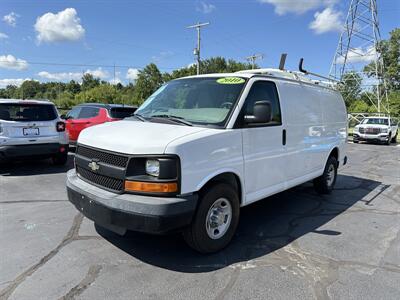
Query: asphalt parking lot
x=294, y=245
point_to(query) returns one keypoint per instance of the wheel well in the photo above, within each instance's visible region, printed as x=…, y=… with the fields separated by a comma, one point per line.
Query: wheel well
x=229, y=178
x=335, y=154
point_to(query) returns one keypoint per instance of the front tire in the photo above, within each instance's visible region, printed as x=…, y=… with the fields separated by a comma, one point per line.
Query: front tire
x=394, y=138
x=325, y=183
x=215, y=221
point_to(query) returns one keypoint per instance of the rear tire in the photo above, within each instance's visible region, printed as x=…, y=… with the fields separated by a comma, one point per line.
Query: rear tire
x=325, y=183
x=60, y=159
x=215, y=221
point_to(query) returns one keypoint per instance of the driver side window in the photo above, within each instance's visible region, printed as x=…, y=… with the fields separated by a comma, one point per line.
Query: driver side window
x=264, y=91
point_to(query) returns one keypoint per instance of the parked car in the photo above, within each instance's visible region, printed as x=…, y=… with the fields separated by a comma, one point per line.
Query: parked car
x=376, y=129
x=32, y=129
x=90, y=114
x=201, y=147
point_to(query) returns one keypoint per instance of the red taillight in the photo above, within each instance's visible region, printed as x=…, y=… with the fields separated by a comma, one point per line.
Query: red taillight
x=60, y=126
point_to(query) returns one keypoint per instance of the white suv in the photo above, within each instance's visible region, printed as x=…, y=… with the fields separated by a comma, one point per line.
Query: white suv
x=201, y=147
x=31, y=129
x=376, y=129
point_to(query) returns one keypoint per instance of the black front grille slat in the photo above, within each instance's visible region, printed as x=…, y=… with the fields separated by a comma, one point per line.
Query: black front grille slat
x=101, y=180
x=105, y=157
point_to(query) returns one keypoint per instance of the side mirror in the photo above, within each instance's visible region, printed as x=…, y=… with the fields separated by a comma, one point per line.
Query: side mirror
x=63, y=116
x=261, y=113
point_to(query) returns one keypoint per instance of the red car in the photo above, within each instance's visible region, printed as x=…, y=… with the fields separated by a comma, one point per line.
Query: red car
x=89, y=114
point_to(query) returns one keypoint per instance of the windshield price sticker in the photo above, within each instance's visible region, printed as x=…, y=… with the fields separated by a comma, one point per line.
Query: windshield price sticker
x=230, y=80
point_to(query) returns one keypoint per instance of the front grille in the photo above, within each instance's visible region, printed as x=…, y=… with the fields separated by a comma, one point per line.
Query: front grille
x=370, y=130
x=105, y=157
x=101, y=180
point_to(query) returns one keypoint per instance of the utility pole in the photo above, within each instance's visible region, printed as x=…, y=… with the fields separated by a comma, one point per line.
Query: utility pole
x=197, y=49
x=252, y=59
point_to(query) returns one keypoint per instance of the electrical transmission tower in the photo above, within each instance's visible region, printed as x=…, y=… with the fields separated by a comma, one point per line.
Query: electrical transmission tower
x=357, y=48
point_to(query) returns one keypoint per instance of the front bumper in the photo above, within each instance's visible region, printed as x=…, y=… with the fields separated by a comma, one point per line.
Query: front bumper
x=134, y=212
x=383, y=137
x=24, y=151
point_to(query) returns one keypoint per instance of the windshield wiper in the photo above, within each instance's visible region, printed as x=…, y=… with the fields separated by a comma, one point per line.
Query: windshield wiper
x=140, y=117
x=174, y=118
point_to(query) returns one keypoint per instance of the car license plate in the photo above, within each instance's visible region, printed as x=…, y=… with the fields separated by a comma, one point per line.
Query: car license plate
x=30, y=131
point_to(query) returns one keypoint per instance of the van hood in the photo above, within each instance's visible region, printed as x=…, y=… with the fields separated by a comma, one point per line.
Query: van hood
x=134, y=137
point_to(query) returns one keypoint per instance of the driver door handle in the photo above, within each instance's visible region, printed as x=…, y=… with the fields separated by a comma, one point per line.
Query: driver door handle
x=284, y=137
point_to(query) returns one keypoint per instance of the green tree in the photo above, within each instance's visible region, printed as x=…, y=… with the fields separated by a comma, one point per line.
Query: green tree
x=89, y=81
x=390, y=51
x=73, y=87
x=351, y=87
x=29, y=89
x=149, y=79
x=105, y=93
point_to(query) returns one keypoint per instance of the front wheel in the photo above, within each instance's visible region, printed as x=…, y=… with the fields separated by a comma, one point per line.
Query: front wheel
x=215, y=221
x=394, y=138
x=325, y=183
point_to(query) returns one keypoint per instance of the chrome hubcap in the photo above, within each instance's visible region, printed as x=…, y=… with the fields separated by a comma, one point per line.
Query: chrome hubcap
x=330, y=176
x=219, y=218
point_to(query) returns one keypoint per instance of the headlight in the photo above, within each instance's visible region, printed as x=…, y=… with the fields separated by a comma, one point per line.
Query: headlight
x=384, y=130
x=153, y=167
x=355, y=129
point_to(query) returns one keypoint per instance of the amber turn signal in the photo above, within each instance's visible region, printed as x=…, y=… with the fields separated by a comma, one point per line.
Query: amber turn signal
x=151, y=187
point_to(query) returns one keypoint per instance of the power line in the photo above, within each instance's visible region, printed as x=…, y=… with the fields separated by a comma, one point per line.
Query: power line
x=79, y=64
x=197, y=50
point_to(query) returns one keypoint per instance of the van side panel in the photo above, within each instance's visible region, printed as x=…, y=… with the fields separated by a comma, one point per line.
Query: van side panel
x=304, y=124
x=335, y=119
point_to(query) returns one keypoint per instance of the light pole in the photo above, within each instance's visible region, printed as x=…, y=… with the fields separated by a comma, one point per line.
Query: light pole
x=197, y=49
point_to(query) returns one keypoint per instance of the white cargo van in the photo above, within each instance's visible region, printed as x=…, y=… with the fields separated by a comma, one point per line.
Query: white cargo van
x=201, y=147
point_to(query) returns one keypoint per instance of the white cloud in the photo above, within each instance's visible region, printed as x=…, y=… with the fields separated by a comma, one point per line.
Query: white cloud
x=62, y=26
x=14, y=81
x=132, y=74
x=205, y=8
x=296, y=6
x=63, y=76
x=99, y=73
x=11, y=19
x=12, y=63
x=3, y=36
x=77, y=76
x=327, y=20
x=359, y=55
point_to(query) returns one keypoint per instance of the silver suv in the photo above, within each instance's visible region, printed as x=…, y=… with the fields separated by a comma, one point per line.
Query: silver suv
x=32, y=129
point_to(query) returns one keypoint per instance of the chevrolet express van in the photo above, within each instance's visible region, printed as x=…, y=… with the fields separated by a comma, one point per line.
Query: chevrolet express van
x=202, y=147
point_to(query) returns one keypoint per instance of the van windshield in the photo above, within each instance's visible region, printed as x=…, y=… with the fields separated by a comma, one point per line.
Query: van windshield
x=379, y=121
x=27, y=112
x=200, y=101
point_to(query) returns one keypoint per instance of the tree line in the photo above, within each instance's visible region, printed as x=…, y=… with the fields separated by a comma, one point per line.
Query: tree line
x=91, y=89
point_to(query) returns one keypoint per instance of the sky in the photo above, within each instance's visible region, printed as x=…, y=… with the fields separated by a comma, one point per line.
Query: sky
x=52, y=40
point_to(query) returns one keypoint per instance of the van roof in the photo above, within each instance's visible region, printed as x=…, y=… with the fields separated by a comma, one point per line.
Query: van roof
x=26, y=101
x=272, y=73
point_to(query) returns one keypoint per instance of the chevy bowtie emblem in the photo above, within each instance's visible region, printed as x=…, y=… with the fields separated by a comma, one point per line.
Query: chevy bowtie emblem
x=94, y=166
